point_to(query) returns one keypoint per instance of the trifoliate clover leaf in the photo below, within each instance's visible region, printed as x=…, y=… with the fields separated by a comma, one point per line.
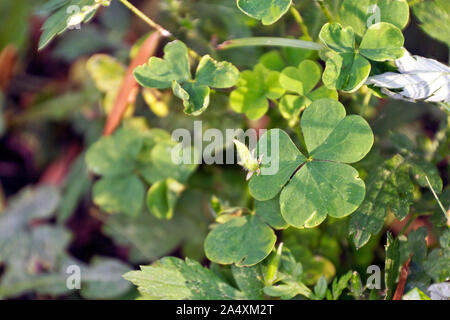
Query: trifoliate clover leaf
x=359, y=14
x=174, y=72
x=348, y=67
x=324, y=184
x=418, y=79
x=253, y=91
x=268, y=11
x=302, y=80
x=244, y=241
x=63, y=16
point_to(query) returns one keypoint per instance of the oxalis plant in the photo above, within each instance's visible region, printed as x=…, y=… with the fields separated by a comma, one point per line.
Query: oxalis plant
x=346, y=177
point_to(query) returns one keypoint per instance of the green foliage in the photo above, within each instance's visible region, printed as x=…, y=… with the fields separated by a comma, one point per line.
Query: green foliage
x=427, y=11
x=268, y=11
x=244, y=241
x=254, y=88
x=348, y=67
x=390, y=187
x=66, y=14
x=359, y=13
x=173, y=278
x=174, y=71
x=127, y=158
x=302, y=201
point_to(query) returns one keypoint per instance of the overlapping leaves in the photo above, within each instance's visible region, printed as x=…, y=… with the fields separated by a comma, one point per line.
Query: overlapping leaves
x=323, y=184
x=300, y=82
x=174, y=71
x=358, y=14
x=390, y=187
x=127, y=158
x=347, y=67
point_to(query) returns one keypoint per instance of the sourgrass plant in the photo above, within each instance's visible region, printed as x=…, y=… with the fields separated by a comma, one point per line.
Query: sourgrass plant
x=359, y=185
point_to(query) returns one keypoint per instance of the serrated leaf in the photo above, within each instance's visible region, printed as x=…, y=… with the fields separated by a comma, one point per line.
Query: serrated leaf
x=244, y=241
x=388, y=188
x=268, y=11
x=392, y=265
x=173, y=278
x=360, y=13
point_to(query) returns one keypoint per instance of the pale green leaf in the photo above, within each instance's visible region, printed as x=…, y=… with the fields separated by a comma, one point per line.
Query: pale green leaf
x=268, y=11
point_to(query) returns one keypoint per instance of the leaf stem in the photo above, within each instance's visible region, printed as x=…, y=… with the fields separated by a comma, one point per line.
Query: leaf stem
x=269, y=41
x=164, y=32
x=301, y=23
x=325, y=11
x=438, y=201
x=150, y=22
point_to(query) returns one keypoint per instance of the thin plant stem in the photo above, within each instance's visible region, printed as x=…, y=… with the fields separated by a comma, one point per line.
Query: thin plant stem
x=408, y=224
x=325, y=10
x=269, y=41
x=438, y=201
x=164, y=32
x=145, y=18
x=301, y=23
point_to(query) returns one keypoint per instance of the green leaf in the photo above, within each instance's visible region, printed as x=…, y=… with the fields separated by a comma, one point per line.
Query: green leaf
x=346, y=71
x=116, y=154
x=339, y=286
x=160, y=73
x=162, y=197
x=162, y=161
x=173, y=278
x=330, y=135
x=359, y=13
x=250, y=281
x=106, y=71
x=320, y=289
x=318, y=186
x=415, y=294
x=268, y=11
x=119, y=194
x=389, y=187
x=392, y=265
x=427, y=11
x=216, y=74
x=286, y=157
x=244, y=241
x=338, y=38
x=253, y=90
x=382, y=42
x=195, y=97
x=269, y=211
x=319, y=189
x=437, y=265
x=62, y=17
x=302, y=79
